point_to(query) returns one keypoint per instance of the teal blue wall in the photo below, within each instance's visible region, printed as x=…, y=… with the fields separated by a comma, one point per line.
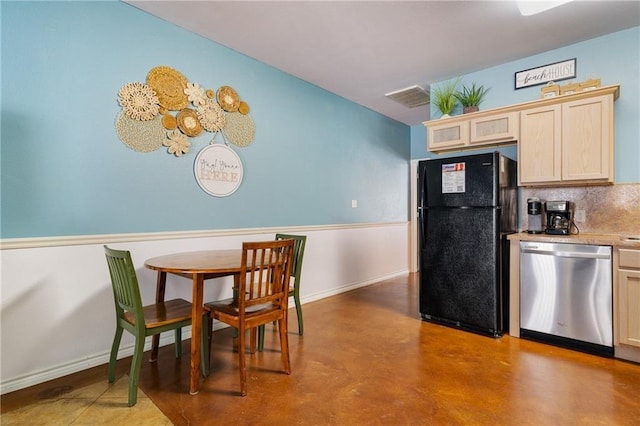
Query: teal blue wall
x=65, y=172
x=614, y=58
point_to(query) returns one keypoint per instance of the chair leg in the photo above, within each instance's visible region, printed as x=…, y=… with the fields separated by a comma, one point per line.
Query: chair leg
x=111, y=375
x=261, y=338
x=178, y=342
x=209, y=339
x=253, y=334
x=296, y=297
x=242, y=361
x=284, y=344
x=134, y=375
x=205, y=345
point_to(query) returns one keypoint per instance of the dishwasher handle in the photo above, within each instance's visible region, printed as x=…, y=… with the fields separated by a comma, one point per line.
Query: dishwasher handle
x=565, y=253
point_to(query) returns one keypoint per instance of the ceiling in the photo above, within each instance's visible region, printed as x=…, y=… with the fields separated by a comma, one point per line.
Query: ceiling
x=361, y=50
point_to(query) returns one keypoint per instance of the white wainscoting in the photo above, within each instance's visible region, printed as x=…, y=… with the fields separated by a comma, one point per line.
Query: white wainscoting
x=57, y=313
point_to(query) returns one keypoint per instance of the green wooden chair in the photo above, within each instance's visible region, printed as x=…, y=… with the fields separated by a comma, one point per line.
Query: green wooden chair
x=141, y=321
x=294, y=290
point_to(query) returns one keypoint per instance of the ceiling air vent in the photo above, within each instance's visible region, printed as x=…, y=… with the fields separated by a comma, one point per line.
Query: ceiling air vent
x=410, y=97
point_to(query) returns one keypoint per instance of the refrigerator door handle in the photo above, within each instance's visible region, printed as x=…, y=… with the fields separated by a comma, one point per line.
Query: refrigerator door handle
x=422, y=225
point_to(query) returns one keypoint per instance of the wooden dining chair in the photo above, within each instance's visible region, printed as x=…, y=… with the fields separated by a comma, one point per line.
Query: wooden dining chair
x=141, y=321
x=294, y=284
x=262, y=296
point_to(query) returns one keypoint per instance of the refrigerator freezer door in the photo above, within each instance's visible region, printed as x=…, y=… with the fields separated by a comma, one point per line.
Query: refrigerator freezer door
x=471, y=180
x=460, y=281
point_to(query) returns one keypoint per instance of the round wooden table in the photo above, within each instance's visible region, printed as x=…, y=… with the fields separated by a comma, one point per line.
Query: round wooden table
x=197, y=266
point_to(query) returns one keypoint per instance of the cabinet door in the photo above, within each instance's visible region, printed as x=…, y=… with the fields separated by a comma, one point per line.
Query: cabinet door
x=539, y=147
x=449, y=135
x=629, y=306
x=587, y=139
x=494, y=128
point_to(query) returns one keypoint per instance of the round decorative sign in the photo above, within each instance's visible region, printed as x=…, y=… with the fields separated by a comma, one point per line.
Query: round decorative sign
x=218, y=170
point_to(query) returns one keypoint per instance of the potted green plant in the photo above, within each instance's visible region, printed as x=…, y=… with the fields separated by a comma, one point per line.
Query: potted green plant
x=470, y=97
x=444, y=97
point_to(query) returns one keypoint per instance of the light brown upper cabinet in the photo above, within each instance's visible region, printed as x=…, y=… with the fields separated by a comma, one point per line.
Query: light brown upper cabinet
x=494, y=128
x=587, y=139
x=473, y=130
x=540, y=155
x=448, y=134
x=567, y=143
x=562, y=140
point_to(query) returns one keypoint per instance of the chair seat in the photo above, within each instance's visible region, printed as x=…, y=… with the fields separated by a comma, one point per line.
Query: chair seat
x=230, y=307
x=161, y=314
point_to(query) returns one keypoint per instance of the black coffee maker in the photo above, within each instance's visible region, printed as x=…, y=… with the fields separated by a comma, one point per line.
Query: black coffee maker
x=534, y=211
x=559, y=217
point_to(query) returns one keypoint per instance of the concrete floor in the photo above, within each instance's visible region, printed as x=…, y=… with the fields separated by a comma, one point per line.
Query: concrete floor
x=366, y=358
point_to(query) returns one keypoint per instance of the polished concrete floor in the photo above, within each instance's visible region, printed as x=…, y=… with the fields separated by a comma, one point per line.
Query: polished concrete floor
x=365, y=358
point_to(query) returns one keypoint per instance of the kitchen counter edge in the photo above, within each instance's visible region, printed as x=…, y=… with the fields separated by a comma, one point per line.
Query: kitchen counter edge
x=615, y=240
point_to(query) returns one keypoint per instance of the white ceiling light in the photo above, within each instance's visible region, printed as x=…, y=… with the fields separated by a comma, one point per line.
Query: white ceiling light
x=528, y=8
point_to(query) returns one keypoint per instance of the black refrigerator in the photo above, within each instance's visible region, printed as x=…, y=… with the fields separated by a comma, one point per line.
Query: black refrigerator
x=466, y=207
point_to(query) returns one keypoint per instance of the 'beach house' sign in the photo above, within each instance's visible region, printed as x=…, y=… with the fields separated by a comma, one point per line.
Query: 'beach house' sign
x=552, y=72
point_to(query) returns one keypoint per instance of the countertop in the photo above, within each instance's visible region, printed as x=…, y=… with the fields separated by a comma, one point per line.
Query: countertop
x=616, y=240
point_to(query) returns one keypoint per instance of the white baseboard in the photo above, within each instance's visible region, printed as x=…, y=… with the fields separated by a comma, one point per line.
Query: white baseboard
x=349, y=287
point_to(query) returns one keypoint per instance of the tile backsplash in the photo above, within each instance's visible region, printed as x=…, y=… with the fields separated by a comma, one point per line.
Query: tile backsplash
x=611, y=209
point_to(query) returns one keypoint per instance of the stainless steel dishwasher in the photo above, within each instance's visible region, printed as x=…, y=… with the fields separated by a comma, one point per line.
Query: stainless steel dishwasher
x=566, y=295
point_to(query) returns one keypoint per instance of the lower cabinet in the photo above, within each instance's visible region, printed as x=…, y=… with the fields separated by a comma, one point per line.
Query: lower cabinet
x=629, y=297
